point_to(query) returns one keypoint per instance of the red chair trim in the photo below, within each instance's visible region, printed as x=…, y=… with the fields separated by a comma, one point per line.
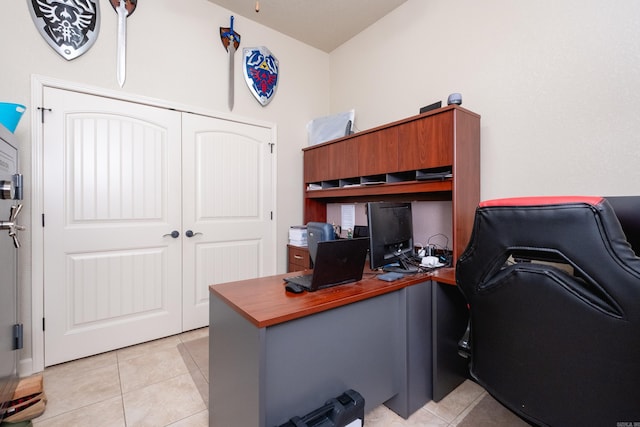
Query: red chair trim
x=541, y=200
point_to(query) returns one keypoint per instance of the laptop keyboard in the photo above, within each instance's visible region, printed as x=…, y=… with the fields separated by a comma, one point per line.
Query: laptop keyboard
x=303, y=280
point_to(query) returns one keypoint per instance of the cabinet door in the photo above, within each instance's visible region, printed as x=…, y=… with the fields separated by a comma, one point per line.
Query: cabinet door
x=316, y=163
x=343, y=159
x=426, y=143
x=378, y=152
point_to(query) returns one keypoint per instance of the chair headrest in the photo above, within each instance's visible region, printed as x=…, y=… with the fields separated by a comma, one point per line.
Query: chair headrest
x=583, y=232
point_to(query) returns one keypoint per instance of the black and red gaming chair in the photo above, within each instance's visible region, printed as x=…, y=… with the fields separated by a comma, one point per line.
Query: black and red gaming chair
x=553, y=289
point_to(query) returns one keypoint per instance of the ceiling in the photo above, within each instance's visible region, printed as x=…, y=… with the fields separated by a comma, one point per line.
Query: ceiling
x=324, y=24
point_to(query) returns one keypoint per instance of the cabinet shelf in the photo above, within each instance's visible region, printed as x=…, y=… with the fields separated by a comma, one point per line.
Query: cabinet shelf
x=405, y=187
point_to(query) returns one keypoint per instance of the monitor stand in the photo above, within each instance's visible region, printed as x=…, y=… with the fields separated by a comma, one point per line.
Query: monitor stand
x=402, y=267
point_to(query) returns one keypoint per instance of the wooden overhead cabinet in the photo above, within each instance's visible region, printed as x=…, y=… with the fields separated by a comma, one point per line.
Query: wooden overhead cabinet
x=431, y=156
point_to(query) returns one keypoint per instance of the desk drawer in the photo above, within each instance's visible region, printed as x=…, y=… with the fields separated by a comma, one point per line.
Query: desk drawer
x=298, y=258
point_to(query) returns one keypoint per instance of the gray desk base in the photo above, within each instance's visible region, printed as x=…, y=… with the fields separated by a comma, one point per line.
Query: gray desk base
x=450, y=316
x=380, y=347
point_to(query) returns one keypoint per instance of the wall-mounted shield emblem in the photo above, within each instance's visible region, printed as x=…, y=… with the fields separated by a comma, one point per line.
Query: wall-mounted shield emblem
x=69, y=26
x=260, y=72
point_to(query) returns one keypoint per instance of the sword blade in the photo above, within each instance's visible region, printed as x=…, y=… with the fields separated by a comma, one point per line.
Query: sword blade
x=121, y=70
x=232, y=51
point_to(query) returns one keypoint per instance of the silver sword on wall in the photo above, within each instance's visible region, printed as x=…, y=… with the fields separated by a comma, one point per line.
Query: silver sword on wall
x=230, y=40
x=123, y=8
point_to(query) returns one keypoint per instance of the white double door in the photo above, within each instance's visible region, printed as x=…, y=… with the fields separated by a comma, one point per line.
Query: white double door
x=144, y=208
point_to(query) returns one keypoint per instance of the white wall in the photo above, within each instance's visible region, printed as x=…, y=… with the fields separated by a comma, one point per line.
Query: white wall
x=557, y=84
x=174, y=53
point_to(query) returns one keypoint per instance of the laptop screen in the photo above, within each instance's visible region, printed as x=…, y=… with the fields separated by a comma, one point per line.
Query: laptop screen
x=339, y=261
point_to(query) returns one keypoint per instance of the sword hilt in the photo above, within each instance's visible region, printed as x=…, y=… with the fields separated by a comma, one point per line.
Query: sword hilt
x=231, y=35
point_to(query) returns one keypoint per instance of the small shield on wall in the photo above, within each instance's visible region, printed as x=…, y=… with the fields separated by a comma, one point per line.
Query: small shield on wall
x=260, y=69
x=70, y=27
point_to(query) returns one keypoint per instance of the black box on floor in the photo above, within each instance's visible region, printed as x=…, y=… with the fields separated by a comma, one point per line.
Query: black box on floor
x=338, y=412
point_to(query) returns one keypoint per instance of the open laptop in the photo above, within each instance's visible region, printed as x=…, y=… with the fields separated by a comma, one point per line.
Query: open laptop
x=337, y=262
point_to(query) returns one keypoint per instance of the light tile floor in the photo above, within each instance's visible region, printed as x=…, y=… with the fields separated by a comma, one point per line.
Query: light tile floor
x=165, y=383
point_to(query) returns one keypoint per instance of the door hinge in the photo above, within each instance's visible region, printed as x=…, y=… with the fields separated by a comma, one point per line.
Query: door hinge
x=271, y=144
x=42, y=220
x=43, y=324
x=42, y=110
x=17, y=336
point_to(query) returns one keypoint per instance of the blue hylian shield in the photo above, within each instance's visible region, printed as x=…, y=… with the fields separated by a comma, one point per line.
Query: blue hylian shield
x=260, y=72
x=69, y=26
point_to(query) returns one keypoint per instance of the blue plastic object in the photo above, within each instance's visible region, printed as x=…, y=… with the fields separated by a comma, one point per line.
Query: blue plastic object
x=10, y=115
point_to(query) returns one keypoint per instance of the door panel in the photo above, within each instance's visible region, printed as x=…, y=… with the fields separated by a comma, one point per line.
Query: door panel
x=111, y=195
x=227, y=202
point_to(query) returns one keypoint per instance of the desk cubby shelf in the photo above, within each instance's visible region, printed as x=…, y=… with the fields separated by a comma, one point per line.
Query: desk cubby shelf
x=431, y=156
x=414, y=188
x=425, y=175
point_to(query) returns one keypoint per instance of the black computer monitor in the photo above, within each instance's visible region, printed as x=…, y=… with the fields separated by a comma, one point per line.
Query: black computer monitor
x=318, y=232
x=390, y=236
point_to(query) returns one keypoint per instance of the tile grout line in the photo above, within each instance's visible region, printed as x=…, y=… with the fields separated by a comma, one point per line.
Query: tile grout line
x=124, y=409
x=466, y=410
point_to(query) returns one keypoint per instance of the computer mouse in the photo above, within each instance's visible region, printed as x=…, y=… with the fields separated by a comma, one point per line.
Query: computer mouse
x=293, y=288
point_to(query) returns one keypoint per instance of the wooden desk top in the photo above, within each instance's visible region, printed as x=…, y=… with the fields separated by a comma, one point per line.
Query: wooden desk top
x=264, y=302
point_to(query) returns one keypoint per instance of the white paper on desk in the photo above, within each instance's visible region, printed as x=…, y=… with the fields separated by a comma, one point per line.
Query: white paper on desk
x=348, y=216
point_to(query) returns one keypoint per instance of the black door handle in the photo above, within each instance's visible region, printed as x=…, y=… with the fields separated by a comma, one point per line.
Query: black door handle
x=190, y=233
